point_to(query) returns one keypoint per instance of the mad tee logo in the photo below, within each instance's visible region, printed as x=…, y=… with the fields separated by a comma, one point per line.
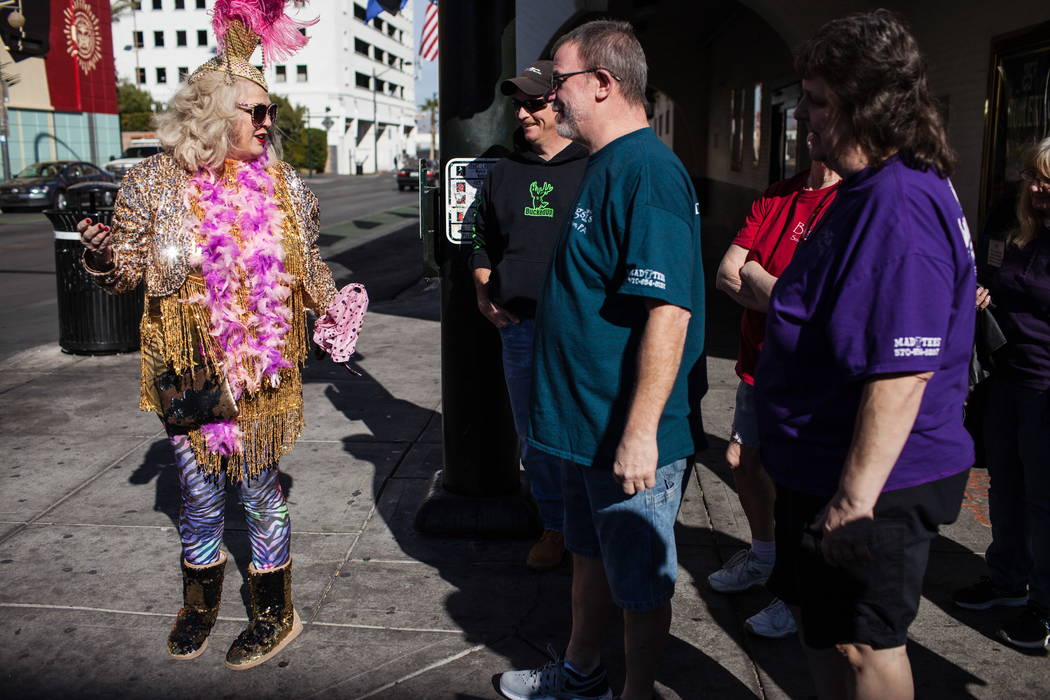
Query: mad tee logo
x=540, y=206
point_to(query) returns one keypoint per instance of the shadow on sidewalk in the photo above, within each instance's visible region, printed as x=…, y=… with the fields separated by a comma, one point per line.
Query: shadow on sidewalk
x=952, y=566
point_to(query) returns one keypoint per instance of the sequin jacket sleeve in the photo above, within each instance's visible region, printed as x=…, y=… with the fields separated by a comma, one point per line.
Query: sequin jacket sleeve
x=320, y=287
x=133, y=217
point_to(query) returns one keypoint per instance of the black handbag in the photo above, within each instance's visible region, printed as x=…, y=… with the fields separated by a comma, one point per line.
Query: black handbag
x=196, y=396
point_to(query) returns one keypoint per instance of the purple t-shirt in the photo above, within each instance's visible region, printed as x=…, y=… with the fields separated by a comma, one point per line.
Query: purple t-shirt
x=884, y=284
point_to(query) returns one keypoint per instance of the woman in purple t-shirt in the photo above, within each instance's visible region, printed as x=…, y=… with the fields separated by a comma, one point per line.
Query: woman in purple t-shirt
x=863, y=376
x=1017, y=418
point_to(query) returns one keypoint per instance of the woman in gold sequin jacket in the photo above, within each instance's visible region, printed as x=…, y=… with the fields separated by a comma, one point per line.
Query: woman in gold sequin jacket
x=224, y=237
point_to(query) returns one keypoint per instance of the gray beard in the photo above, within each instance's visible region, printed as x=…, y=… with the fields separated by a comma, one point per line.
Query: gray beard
x=567, y=130
x=566, y=126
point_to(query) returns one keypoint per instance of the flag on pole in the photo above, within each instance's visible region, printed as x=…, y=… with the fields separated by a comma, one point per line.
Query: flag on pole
x=377, y=6
x=428, y=42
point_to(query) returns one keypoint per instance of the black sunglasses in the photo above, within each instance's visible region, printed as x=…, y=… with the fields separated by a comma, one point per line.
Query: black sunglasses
x=557, y=79
x=259, y=113
x=534, y=104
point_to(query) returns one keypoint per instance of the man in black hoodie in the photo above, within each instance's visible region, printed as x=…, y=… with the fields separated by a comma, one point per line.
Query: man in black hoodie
x=521, y=211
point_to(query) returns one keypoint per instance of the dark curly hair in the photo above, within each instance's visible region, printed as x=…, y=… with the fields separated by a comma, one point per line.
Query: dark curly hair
x=877, y=77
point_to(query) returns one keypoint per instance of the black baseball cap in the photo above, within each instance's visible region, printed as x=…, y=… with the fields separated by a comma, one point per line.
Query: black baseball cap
x=534, y=80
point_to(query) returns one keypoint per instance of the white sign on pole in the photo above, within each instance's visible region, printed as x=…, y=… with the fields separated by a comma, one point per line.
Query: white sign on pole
x=463, y=179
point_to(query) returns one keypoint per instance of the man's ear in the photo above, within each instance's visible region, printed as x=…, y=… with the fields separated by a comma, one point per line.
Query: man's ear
x=605, y=85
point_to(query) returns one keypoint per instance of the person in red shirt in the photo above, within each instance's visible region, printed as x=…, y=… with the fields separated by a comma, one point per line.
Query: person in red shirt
x=759, y=253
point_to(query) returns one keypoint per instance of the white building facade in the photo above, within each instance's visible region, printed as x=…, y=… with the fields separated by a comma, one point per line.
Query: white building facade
x=355, y=79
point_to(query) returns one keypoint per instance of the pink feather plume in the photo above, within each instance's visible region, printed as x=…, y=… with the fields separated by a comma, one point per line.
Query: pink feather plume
x=278, y=32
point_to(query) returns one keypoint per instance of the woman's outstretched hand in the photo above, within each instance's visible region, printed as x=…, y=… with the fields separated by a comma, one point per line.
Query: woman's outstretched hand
x=97, y=240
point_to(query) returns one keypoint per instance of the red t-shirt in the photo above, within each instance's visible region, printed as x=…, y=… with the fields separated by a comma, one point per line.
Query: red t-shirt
x=777, y=222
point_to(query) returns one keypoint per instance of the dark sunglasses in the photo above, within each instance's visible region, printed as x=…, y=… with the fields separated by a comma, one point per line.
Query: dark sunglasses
x=259, y=113
x=531, y=105
x=558, y=79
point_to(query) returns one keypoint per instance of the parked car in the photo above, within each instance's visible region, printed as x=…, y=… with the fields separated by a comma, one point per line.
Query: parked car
x=135, y=153
x=43, y=185
x=409, y=177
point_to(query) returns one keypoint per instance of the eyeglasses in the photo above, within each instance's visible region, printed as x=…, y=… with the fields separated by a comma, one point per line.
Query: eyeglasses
x=557, y=79
x=1031, y=177
x=259, y=112
x=531, y=105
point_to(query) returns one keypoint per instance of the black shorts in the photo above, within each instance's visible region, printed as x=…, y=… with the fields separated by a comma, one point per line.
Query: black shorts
x=872, y=602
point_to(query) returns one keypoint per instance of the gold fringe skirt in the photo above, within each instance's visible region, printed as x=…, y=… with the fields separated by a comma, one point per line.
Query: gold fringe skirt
x=270, y=419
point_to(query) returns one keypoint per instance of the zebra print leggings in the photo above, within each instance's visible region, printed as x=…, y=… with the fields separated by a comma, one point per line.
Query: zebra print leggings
x=202, y=516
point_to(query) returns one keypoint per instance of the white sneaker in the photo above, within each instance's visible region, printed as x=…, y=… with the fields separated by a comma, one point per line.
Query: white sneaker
x=774, y=621
x=554, y=682
x=742, y=571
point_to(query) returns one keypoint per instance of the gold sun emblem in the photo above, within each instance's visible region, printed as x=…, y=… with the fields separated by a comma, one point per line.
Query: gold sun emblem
x=83, y=38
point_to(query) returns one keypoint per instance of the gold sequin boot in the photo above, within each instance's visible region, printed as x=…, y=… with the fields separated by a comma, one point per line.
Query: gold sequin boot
x=274, y=621
x=201, y=593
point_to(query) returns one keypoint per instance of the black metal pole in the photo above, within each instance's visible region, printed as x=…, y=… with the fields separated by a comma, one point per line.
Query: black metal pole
x=478, y=491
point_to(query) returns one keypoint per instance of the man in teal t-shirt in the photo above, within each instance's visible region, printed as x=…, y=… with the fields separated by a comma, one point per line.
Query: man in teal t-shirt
x=619, y=329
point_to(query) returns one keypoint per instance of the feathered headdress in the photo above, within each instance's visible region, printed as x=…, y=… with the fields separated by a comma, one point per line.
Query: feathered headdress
x=241, y=25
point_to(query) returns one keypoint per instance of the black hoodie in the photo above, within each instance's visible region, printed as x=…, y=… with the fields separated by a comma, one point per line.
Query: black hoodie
x=521, y=210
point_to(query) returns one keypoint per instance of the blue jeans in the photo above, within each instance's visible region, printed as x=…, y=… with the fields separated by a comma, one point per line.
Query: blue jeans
x=1017, y=453
x=632, y=535
x=544, y=470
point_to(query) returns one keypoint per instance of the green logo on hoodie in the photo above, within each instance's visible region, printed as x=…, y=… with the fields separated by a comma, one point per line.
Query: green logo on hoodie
x=540, y=206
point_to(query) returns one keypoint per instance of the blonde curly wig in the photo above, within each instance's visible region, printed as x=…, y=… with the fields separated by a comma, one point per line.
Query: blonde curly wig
x=197, y=128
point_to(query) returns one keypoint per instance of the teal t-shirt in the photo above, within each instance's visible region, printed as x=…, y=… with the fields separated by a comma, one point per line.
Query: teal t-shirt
x=635, y=234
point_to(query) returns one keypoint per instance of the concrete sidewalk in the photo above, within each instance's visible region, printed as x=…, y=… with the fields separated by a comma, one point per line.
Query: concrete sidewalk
x=89, y=577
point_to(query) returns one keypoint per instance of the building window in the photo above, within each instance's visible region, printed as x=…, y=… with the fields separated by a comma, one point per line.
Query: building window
x=756, y=127
x=378, y=54
x=137, y=40
x=158, y=39
x=361, y=47
x=282, y=73
x=300, y=74
x=180, y=4
x=200, y=4
x=378, y=24
x=359, y=12
x=736, y=129
x=180, y=37
x=362, y=80
x=184, y=73
x=202, y=37
x=162, y=76
x=391, y=30
x=140, y=76
x=157, y=5
x=1017, y=116
x=380, y=85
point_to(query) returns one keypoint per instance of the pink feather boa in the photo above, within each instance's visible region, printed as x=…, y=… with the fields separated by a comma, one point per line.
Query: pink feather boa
x=278, y=32
x=242, y=232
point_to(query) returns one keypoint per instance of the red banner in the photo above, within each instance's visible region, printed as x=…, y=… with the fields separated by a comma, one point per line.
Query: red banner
x=81, y=76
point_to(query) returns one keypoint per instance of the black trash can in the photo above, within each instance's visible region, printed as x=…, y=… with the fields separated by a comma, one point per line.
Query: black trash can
x=92, y=196
x=90, y=320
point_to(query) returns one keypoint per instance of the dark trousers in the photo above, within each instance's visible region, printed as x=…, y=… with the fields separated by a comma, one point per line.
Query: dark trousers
x=1017, y=452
